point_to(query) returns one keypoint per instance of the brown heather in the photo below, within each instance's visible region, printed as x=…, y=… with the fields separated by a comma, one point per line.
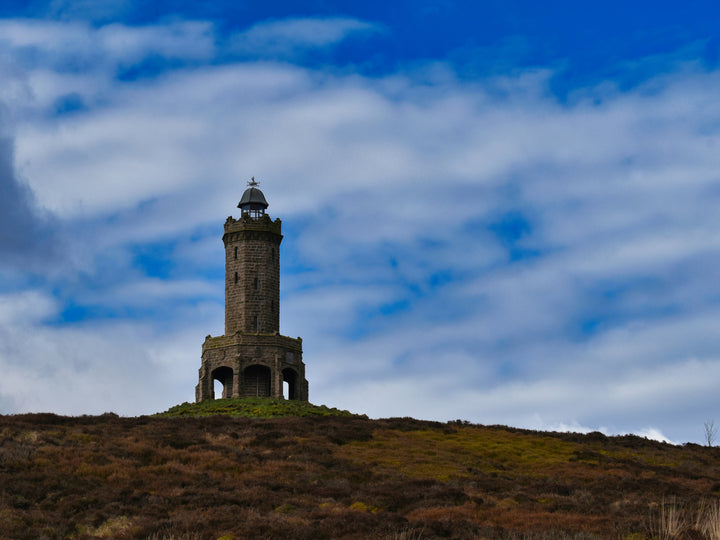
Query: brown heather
x=343, y=477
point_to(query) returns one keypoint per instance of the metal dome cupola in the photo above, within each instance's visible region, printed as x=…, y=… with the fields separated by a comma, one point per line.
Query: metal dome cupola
x=253, y=203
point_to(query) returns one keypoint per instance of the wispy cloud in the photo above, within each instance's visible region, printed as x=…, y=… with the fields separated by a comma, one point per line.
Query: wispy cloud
x=80, y=47
x=88, y=368
x=285, y=39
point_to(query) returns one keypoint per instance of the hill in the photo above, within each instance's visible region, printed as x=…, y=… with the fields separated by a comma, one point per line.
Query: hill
x=323, y=473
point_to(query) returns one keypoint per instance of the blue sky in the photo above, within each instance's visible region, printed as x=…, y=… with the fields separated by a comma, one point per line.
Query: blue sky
x=504, y=212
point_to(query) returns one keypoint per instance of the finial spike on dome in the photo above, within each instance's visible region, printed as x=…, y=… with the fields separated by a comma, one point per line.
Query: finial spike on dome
x=252, y=182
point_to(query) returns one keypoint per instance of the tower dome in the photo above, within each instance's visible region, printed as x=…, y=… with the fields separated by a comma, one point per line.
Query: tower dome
x=253, y=201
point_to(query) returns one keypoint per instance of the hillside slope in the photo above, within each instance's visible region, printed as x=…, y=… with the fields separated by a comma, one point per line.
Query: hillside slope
x=337, y=477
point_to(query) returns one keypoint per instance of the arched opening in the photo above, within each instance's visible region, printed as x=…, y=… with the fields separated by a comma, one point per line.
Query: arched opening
x=256, y=381
x=224, y=376
x=289, y=383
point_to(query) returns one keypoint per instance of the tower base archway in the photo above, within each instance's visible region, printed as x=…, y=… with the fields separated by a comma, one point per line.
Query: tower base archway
x=252, y=365
x=289, y=376
x=224, y=375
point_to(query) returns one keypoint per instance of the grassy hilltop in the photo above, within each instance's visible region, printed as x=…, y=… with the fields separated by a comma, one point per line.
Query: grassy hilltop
x=235, y=469
x=252, y=408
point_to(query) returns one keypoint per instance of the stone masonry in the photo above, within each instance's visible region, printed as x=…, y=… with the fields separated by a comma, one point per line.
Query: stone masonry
x=252, y=358
x=252, y=275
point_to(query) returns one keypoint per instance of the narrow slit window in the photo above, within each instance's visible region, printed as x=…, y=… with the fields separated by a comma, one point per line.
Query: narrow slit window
x=236, y=278
x=256, y=324
x=236, y=252
x=255, y=283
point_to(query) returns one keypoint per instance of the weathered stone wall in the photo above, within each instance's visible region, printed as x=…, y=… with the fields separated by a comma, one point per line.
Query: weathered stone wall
x=228, y=359
x=252, y=275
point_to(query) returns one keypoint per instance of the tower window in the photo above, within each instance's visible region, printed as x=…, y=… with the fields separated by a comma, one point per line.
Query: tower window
x=236, y=277
x=255, y=283
x=256, y=324
x=236, y=252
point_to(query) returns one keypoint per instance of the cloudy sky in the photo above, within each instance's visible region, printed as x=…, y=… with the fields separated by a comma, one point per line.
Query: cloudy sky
x=504, y=212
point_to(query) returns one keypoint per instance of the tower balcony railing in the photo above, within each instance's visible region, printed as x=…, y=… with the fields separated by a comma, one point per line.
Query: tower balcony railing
x=253, y=214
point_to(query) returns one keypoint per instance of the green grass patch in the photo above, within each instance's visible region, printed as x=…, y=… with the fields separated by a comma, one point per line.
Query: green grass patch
x=434, y=453
x=252, y=408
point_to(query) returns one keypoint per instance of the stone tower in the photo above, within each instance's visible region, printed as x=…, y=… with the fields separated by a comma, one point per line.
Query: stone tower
x=252, y=358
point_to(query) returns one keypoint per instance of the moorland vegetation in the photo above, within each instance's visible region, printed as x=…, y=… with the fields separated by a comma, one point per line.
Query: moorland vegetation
x=236, y=469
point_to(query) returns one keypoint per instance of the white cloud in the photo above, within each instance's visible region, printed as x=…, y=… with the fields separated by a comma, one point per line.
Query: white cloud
x=144, y=292
x=287, y=38
x=25, y=308
x=654, y=434
x=77, y=46
x=117, y=366
x=186, y=40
